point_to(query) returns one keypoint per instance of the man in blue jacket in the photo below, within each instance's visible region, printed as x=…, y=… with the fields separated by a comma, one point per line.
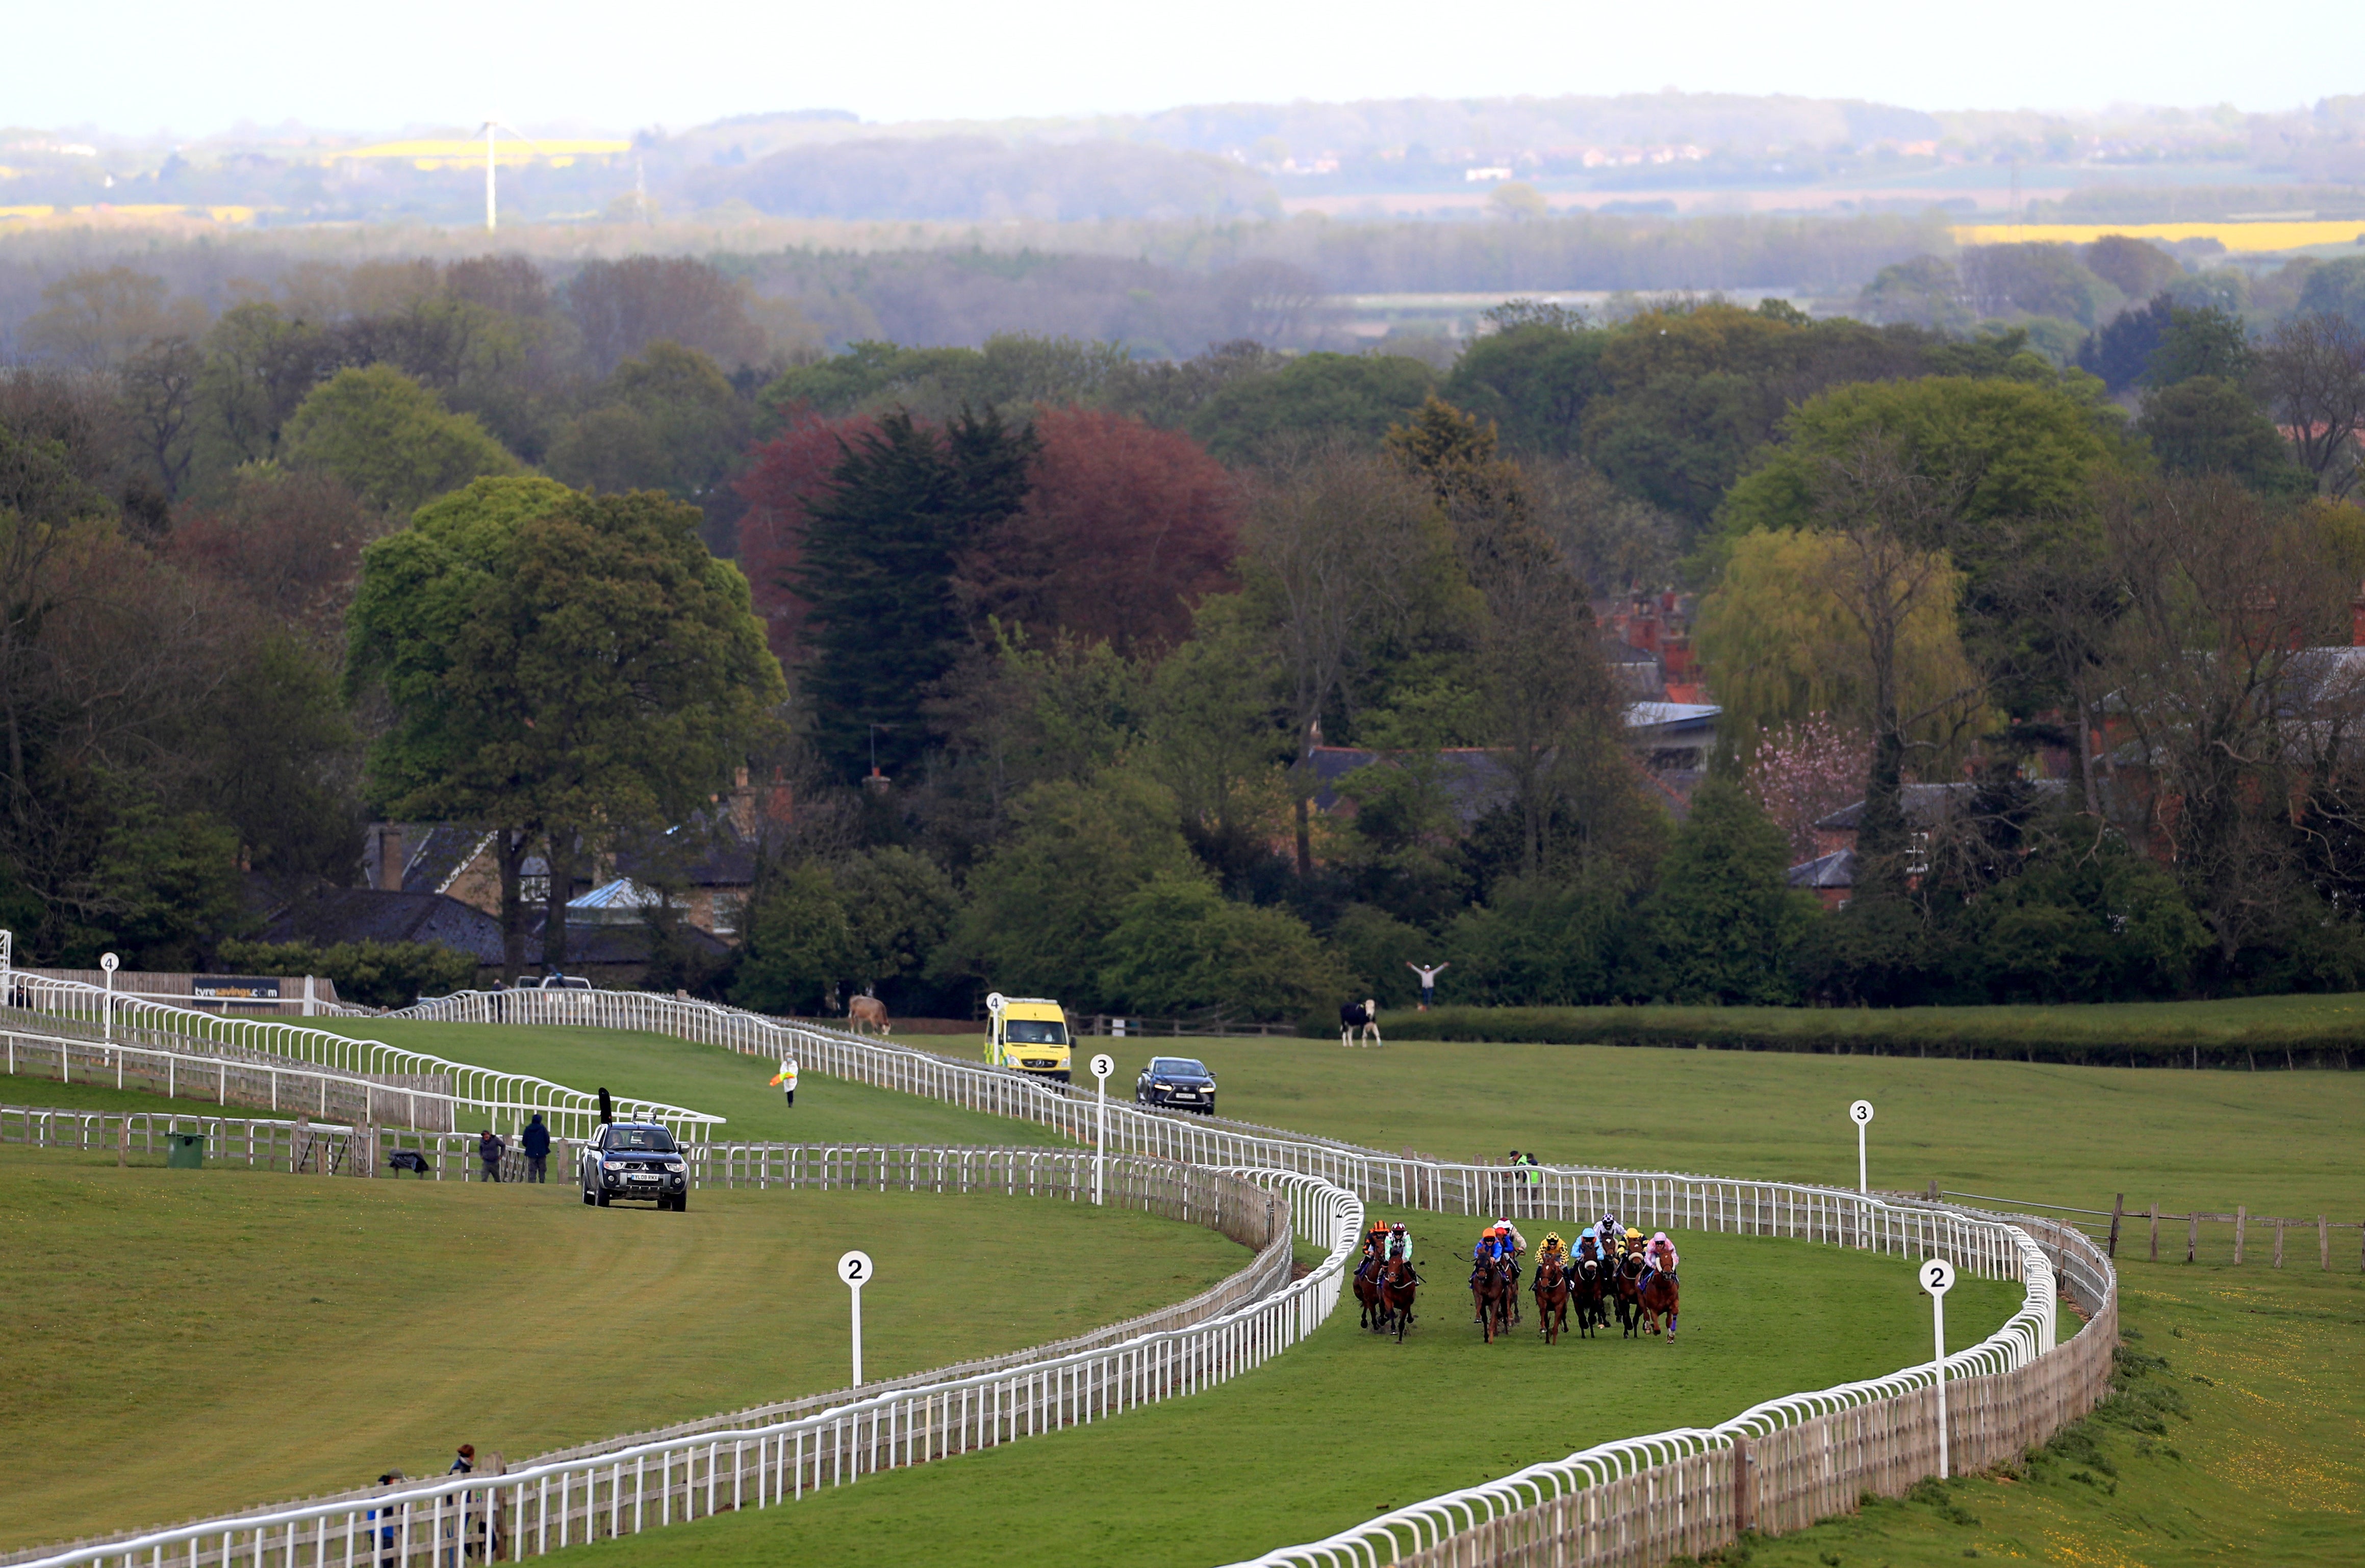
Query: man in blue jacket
x=535, y=1140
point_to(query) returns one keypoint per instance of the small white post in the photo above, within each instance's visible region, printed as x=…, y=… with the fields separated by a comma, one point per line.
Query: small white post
x=1103, y=1065
x=854, y=1270
x=309, y=994
x=1938, y=1278
x=1861, y=1115
x=108, y=961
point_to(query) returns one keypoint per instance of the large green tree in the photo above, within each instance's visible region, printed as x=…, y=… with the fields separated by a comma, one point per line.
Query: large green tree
x=560, y=668
x=2001, y=474
x=1724, y=922
x=391, y=439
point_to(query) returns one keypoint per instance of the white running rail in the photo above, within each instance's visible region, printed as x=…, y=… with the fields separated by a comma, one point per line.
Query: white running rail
x=543, y=1508
x=1640, y=1500
x=71, y=1019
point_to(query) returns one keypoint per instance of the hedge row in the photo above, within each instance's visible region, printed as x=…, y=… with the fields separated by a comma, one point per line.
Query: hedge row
x=2098, y=1036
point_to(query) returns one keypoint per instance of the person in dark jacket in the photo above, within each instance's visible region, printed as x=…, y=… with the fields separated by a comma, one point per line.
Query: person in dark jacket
x=535, y=1140
x=489, y=1149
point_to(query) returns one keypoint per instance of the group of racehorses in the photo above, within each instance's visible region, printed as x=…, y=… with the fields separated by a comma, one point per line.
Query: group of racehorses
x=1591, y=1287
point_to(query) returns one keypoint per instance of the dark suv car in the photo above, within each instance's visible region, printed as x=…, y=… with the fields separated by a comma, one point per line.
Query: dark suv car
x=1178, y=1083
x=638, y=1161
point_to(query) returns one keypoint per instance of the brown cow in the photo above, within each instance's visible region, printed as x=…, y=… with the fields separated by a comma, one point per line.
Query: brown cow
x=866, y=1012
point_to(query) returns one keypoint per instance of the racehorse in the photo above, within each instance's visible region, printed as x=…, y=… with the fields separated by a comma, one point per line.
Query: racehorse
x=1552, y=1300
x=1360, y=1015
x=1367, y=1293
x=1397, y=1283
x=1490, y=1292
x=1629, y=1283
x=1659, y=1299
x=1590, y=1291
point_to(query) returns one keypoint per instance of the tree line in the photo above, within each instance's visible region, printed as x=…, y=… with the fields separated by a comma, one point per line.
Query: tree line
x=516, y=556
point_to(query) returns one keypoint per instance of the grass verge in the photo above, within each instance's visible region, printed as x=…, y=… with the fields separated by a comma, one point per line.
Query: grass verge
x=1346, y=1425
x=180, y=1342
x=2246, y=1032
x=2233, y=1438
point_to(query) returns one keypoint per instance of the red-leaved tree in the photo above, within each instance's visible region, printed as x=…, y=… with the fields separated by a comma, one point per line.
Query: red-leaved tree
x=1125, y=528
x=790, y=472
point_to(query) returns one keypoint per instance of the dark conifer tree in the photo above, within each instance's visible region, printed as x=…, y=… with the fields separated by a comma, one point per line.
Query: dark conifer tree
x=883, y=624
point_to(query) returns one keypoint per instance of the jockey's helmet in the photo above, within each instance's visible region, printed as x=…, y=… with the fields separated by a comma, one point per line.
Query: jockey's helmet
x=1398, y=1226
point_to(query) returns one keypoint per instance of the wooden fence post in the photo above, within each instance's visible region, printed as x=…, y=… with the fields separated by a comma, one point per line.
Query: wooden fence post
x=123, y=1143
x=2323, y=1244
x=2192, y=1235
x=2241, y=1226
x=2118, y=1212
x=1745, y=1493
x=2279, y=1243
x=2155, y=1230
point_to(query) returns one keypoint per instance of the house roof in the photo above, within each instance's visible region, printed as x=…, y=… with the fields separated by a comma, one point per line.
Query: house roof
x=1670, y=717
x=329, y=915
x=1925, y=805
x=1836, y=869
x=1473, y=777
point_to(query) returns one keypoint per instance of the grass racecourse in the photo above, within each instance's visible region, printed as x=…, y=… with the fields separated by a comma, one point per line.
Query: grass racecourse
x=182, y=1342
x=2239, y=1441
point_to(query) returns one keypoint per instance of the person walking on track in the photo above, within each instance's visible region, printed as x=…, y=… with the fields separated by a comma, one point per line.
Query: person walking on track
x=787, y=1079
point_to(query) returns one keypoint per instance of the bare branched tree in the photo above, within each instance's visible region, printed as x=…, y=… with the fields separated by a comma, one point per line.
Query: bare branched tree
x=2313, y=372
x=1883, y=516
x=1336, y=544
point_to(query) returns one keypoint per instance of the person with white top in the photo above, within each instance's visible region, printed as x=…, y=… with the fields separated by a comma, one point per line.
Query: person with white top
x=787, y=1079
x=1427, y=973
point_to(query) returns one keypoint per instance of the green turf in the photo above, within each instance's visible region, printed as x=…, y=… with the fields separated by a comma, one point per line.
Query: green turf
x=1346, y=1425
x=2239, y=1445
x=2241, y=1033
x=181, y=1342
x=701, y=1078
x=2042, y=1133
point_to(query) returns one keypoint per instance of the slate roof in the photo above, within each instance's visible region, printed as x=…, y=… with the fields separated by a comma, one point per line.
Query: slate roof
x=1836, y=869
x=330, y=915
x=1925, y=804
x=1473, y=778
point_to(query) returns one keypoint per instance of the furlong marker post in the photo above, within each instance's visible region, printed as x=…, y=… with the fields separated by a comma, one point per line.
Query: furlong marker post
x=1938, y=1278
x=1861, y=1115
x=1103, y=1065
x=108, y=961
x=854, y=1270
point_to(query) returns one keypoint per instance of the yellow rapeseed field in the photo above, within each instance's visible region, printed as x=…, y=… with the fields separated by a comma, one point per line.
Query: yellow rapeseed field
x=2259, y=236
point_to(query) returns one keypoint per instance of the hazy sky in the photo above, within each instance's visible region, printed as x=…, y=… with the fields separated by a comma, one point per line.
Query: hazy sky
x=141, y=65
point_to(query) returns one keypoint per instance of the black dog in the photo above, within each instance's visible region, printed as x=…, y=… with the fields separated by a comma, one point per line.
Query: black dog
x=406, y=1159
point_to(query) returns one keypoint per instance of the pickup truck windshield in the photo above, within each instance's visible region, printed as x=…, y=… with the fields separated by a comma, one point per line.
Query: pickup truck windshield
x=1035, y=1031
x=640, y=1140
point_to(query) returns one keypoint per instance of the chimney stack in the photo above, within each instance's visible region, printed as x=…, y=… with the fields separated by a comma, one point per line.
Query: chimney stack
x=389, y=858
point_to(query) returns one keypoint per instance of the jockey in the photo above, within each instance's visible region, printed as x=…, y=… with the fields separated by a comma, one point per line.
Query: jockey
x=1606, y=1234
x=1399, y=1243
x=1374, y=1248
x=1661, y=1254
x=1587, y=1245
x=1555, y=1250
x=1519, y=1242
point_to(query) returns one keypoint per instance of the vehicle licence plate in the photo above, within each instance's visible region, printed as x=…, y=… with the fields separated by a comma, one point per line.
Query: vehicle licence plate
x=641, y=1178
